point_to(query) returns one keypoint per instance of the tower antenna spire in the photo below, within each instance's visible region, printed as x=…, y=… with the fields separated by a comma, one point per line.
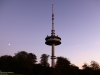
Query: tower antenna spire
x=52, y=17
x=52, y=31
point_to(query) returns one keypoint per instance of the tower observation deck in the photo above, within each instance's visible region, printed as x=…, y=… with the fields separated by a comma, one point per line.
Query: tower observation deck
x=53, y=40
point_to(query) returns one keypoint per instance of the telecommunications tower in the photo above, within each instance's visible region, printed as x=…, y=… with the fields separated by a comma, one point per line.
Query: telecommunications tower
x=53, y=40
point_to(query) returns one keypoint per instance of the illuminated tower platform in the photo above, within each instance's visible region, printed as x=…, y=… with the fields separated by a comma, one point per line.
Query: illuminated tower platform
x=53, y=40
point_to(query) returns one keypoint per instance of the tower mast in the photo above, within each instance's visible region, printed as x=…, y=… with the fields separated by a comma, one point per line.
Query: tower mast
x=53, y=57
x=53, y=40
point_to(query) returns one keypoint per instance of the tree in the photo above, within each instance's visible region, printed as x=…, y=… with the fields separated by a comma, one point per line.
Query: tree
x=38, y=69
x=6, y=63
x=62, y=66
x=87, y=69
x=24, y=62
x=94, y=65
x=44, y=60
x=31, y=60
x=74, y=69
x=62, y=61
x=85, y=65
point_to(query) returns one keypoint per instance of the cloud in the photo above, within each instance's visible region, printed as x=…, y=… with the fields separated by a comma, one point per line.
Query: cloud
x=75, y=46
x=85, y=52
x=97, y=43
x=79, y=45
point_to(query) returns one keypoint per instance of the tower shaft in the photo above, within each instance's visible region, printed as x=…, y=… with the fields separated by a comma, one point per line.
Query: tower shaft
x=53, y=56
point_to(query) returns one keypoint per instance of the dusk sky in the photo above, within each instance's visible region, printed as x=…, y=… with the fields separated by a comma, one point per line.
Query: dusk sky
x=24, y=24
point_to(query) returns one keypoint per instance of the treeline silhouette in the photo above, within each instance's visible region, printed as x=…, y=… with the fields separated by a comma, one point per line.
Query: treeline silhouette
x=26, y=64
